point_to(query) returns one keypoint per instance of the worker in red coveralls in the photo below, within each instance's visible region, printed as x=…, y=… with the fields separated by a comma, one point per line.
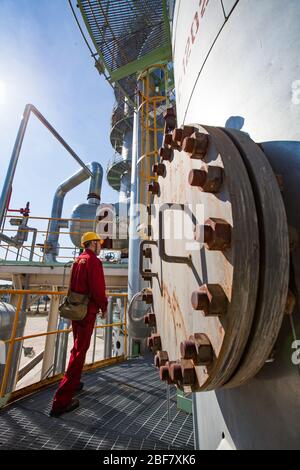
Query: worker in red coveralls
x=87, y=278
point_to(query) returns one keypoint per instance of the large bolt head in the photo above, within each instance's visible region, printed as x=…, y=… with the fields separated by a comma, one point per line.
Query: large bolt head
x=166, y=154
x=150, y=343
x=148, y=298
x=210, y=299
x=170, y=112
x=167, y=142
x=164, y=373
x=156, y=361
x=204, y=349
x=196, y=146
x=175, y=372
x=208, y=179
x=170, y=119
x=188, y=372
x=150, y=320
x=180, y=134
x=188, y=350
x=161, y=358
x=217, y=234
x=200, y=301
x=156, y=342
x=154, y=188
x=159, y=169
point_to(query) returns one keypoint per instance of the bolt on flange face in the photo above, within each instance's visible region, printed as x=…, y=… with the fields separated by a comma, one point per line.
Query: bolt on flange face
x=232, y=209
x=233, y=266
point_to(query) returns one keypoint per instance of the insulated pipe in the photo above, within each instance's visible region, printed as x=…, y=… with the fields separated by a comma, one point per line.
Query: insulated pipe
x=16, y=153
x=108, y=330
x=124, y=193
x=57, y=206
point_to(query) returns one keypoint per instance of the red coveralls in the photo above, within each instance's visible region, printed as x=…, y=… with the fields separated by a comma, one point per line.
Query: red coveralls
x=87, y=278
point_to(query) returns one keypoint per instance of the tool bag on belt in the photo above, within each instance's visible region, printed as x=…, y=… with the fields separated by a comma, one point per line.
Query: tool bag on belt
x=74, y=306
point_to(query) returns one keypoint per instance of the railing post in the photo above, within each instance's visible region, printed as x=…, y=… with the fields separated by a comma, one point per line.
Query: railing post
x=50, y=339
x=125, y=327
x=108, y=330
x=11, y=348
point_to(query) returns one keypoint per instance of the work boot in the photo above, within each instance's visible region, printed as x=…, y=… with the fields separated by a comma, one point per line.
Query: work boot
x=74, y=403
x=79, y=387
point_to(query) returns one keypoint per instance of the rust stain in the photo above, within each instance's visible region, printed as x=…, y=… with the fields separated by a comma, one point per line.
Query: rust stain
x=174, y=309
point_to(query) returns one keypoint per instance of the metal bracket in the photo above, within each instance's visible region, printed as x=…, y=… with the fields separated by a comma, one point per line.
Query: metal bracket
x=161, y=247
x=141, y=264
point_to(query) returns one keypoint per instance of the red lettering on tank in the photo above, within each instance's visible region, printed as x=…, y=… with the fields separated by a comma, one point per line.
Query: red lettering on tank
x=194, y=33
x=194, y=30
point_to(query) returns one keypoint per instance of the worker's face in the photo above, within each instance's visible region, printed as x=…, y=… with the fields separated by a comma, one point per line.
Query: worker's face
x=97, y=246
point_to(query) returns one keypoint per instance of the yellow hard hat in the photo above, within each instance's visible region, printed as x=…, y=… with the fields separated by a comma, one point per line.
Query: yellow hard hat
x=89, y=237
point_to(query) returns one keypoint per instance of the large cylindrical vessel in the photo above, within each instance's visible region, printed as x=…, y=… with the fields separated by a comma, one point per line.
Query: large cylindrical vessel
x=237, y=73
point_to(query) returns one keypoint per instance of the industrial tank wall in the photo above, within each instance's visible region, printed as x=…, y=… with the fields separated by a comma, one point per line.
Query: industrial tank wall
x=243, y=70
x=236, y=65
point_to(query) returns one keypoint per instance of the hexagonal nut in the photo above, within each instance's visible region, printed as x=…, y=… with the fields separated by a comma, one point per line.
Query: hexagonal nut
x=189, y=376
x=150, y=320
x=161, y=358
x=167, y=142
x=188, y=350
x=169, y=113
x=175, y=372
x=196, y=145
x=166, y=154
x=208, y=179
x=159, y=169
x=164, y=374
x=217, y=234
x=150, y=343
x=148, y=298
x=181, y=133
x=155, y=343
x=154, y=188
x=210, y=299
x=205, y=353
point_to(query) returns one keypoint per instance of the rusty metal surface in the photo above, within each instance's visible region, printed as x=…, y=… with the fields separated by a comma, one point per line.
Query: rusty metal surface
x=235, y=268
x=274, y=259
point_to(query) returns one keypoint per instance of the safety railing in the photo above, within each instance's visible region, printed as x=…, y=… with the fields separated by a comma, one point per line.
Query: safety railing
x=10, y=353
x=153, y=101
x=14, y=249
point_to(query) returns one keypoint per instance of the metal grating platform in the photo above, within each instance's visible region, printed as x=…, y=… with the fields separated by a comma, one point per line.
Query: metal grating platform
x=121, y=407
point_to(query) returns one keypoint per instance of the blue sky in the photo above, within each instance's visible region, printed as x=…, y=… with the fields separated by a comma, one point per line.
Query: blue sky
x=44, y=61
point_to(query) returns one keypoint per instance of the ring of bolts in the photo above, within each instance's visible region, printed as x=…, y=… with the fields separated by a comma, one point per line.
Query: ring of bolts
x=209, y=298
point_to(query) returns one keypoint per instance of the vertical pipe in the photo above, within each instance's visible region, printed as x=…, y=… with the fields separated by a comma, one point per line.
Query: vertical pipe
x=95, y=340
x=50, y=339
x=125, y=328
x=13, y=163
x=108, y=330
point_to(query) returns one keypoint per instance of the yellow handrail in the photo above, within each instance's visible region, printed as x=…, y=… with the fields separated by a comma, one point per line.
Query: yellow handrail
x=13, y=339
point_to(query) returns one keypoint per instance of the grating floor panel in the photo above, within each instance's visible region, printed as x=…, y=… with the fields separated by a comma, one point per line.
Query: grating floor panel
x=121, y=407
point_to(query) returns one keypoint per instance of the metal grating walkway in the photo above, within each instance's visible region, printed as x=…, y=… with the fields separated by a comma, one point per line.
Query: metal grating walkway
x=121, y=407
